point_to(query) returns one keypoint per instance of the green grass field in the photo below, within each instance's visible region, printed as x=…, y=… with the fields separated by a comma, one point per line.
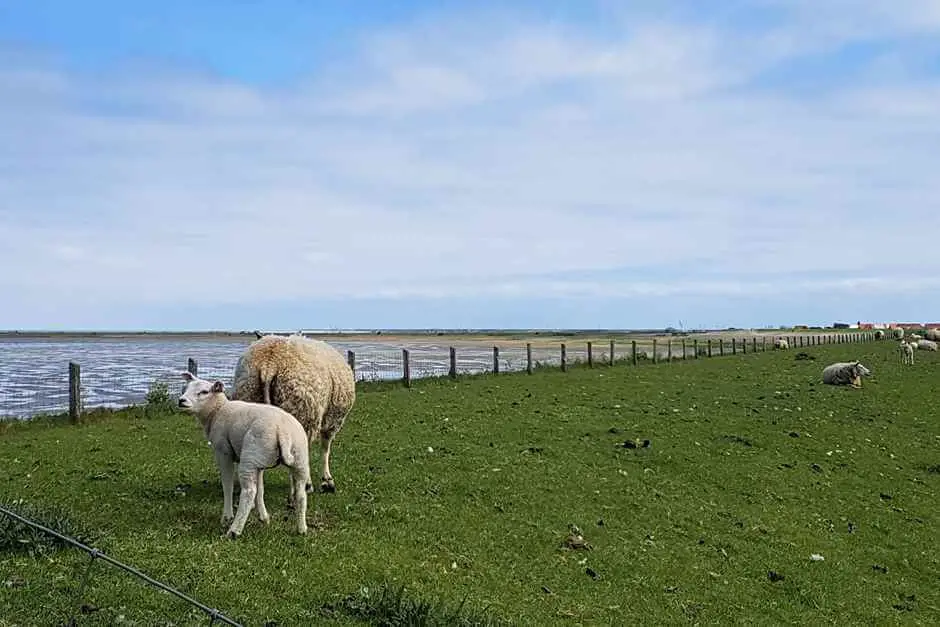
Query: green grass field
x=463, y=492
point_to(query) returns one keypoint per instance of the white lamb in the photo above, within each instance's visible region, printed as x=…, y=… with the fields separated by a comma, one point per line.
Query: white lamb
x=256, y=437
x=845, y=373
x=915, y=337
x=907, y=353
x=926, y=345
x=781, y=344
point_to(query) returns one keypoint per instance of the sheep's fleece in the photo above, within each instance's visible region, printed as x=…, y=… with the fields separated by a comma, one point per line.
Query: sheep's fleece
x=845, y=373
x=306, y=377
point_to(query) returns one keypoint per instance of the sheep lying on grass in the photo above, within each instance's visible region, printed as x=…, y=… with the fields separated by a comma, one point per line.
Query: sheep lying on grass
x=907, y=353
x=306, y=377
x=926, y=345
x=845, y=373
x=255, y=436
x=781, y=344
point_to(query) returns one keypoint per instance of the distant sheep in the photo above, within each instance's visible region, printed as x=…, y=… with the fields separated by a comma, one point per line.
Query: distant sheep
x=926, y=345
x=308, y=378
x=933, y=334
x=879, y=334
x=907, y=353
x=256, y=437
x=915, y=337
x=845, y=373
x=897, y=333
x=781, y=344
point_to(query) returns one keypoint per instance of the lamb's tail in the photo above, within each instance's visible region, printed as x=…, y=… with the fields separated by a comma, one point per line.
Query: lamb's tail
x=284, y=451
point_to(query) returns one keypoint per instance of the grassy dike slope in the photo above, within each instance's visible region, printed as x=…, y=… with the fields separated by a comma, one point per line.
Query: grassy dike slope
x=753, y=466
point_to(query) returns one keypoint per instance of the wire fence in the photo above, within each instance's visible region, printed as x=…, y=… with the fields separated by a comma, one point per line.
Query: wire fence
x=121, y=375
x=214, y=615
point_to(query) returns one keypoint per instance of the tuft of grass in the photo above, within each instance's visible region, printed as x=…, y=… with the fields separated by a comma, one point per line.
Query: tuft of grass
x=394, y=606
x=703, y=487
x=17, y=537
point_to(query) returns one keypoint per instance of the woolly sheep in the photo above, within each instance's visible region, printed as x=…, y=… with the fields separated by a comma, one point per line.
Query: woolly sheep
x=256, y=437
x=308, y=378
x=879, y=334
x=845, y=373
x=926, y=345
x=933, y=334
x=898, y=333
x=907, y=353
x=915, y=337
x=781, y=343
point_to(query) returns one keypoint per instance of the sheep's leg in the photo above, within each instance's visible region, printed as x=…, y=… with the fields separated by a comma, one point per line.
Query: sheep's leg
x=857, y=382
x=263, y=514
x=298, y=487
x=226, y=470
x=246, y=500
x=326, y=444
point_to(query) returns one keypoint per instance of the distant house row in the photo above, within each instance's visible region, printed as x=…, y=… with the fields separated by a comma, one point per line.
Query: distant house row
x=897, y=325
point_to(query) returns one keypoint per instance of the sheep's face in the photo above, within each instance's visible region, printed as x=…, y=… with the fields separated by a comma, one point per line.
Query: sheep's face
x=861, y=370
x=198, y=392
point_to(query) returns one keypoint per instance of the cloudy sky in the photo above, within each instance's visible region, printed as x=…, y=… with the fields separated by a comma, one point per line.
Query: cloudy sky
x=315, y=164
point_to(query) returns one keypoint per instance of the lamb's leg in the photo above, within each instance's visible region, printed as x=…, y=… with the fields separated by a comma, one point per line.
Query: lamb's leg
x=263, y=514
x=226, y=470
x=326, y=444
x=246, y=501
x=298, y=486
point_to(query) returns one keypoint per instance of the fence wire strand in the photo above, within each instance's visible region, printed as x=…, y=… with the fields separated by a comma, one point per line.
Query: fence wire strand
x=214, y=614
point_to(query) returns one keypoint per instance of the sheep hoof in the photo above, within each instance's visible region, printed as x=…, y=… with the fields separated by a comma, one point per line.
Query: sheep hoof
x=230, y=535
x=328, y=486
x=266, y=520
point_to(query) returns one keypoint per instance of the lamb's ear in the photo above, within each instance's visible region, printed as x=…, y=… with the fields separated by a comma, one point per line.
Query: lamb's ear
x=186, y=374
x=217, y=387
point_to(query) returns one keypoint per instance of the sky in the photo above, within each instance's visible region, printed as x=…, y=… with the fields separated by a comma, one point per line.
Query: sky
x=303, y=164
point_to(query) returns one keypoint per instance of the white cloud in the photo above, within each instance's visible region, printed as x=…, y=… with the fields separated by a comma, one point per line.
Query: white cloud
x=468, y=158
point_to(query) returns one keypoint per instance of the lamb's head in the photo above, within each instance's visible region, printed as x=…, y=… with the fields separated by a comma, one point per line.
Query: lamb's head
x=860, y=370
x=200, y=395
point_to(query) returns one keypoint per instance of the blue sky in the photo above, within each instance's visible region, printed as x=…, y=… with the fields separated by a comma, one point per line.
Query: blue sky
x=300, y=164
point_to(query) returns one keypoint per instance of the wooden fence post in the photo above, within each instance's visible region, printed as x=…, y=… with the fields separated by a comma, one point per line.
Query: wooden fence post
x=684, y=357
x=669, y=350
x=763, y=344
x=611, y=352
x=351, y=360
x=655, y=352
x=406, y=367
x=721, y=347
x=192, y=366
x=744, y=346
x=633, y=351
x=75, y=392
x=709, y=347
x=453, y=363
x=695, y=347
x=564, y=358
x=496, y=360
x=528, y=357
x=734, y=346
x=590, y=355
